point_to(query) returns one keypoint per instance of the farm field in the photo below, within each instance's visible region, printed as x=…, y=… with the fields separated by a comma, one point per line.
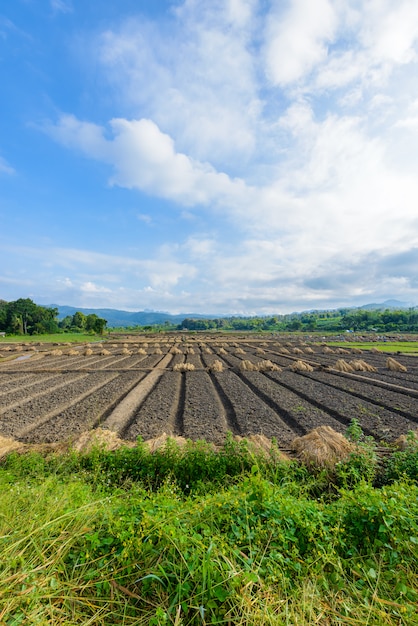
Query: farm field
x=201, y=387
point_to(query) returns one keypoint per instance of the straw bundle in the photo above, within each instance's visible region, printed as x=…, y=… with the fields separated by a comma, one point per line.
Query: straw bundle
x=88, y=352
x=248, y=366
x=301, y=366
x=217, y=366
x=268, y=366
x=395, y=366
x=183, y=367
x=406, y=441
x=343, y=366
x=361, y=366
x=322, y=447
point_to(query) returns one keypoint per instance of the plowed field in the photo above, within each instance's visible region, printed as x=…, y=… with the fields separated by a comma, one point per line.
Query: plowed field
x=56, y=393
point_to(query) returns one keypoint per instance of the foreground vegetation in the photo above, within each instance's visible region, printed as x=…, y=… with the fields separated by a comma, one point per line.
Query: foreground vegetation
x=193, y=536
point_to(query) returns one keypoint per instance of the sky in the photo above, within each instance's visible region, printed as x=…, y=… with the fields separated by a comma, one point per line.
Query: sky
x=231, y=157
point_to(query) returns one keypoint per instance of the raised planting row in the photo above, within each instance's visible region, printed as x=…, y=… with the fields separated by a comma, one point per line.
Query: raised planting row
x=203, y=388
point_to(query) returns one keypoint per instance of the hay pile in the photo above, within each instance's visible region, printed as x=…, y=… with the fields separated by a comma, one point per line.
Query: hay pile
x=261, y=445
x=309, y=350
x=207, y=351
x=99, y=438
x=327, y=350
x=55, y=353
x=8, y=445
x=222, y=351
x=248, y=366
x=88, y=352
x=157, y=351
x=268, y=366
x=260, y=351
x=189, y=351
x=174, y=350
x=395, y=366
x=284, y=351
x=322, y=447
x=342, y=351
x=239, y=351
x=161, y=441
x=301, y=366
x=217, y=366
x=141, y=351
x=297, y=351
x=343, y=366
x=105, y=352
x=72, y=352
x=183, y=367
x=126, y=352
x=362, y=366
x=406, y=441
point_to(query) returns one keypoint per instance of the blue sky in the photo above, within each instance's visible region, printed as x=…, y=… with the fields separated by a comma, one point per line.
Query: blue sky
x=232, y=156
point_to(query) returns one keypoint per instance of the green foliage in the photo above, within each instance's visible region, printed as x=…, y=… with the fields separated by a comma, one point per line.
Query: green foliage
x=25, y=317
x=402, y=464
x=362, y=463
x=252, y=552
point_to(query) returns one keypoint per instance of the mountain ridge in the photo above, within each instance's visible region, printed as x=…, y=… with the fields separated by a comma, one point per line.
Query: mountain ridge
x=121, y=318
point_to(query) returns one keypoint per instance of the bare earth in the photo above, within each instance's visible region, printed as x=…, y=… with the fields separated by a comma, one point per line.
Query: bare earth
x=50, y=397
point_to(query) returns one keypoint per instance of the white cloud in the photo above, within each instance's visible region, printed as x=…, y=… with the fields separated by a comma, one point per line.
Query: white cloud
x=145, y=158
x=5, y=168
x=197, y=79
x=311, y=171
x=62, y=6
x=298, y=40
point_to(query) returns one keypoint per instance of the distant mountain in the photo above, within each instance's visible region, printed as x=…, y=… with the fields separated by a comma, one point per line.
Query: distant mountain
x=387, y=304
x=116, y=318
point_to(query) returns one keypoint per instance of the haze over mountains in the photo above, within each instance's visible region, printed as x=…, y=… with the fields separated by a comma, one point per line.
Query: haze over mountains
x=118, y=318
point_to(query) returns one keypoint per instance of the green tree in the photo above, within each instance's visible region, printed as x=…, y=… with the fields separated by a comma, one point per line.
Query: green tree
x=78, y=321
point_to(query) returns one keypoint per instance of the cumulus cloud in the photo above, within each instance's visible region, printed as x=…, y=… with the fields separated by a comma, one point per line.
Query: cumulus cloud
x=293, y=126
x=297, y=39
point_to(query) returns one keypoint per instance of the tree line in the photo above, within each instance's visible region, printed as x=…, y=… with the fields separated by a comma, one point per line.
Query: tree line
x=24, y=317
x=339, y=320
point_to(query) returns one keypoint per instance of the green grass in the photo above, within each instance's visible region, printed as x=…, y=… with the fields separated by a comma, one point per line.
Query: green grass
x=120, y=538
x=54, y=338
x=404, y=347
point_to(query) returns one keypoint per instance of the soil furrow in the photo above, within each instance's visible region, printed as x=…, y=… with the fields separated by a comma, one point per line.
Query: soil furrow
x=121, y=417
x=86, y=414
x=204, y=415
x=20, y=397
x=70, y=396
x=178, y=426
x=375, y=421
x=300, y=413
x=395, y=401
x=158, y=412
x=232, y=424
x=253, y=415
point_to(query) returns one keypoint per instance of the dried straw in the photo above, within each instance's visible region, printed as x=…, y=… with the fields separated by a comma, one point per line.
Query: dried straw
x=395, y=366
x=301, y=366
x=322, y=447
